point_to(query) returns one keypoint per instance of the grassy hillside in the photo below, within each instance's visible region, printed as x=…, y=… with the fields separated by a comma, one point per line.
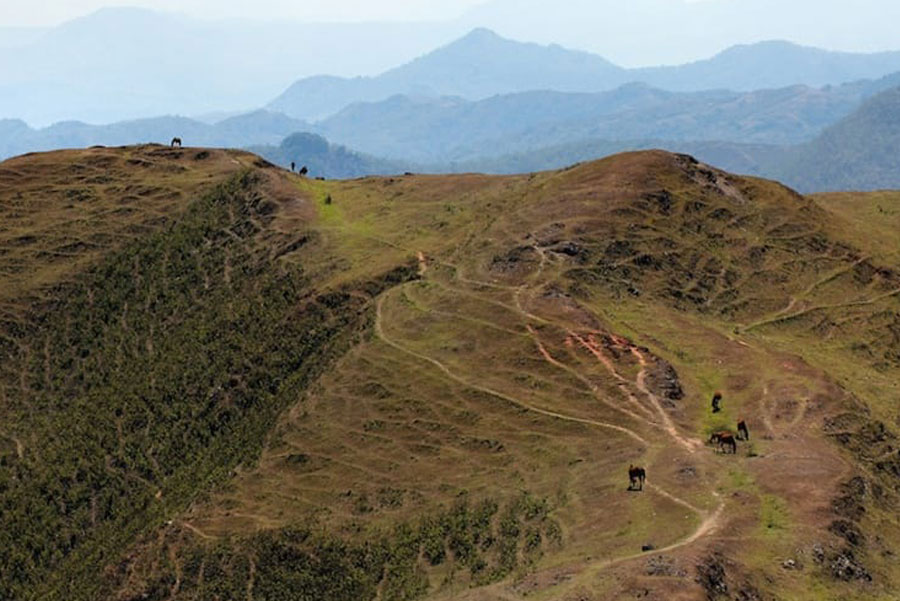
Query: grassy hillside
x=431, y=387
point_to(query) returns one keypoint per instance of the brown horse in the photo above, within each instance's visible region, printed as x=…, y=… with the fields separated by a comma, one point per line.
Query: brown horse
x=743, y=431
x=724, y=439
x=636, y=477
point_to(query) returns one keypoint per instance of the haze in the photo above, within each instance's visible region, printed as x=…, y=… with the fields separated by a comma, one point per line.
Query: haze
x=628, y=32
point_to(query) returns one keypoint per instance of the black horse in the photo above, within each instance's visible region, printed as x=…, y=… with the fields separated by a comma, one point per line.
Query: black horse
x=636, y=477
x=743, y=431
x=717, y=398
x=176, y=142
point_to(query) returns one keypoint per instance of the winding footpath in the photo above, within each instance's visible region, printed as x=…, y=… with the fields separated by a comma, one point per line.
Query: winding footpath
x=655, y=417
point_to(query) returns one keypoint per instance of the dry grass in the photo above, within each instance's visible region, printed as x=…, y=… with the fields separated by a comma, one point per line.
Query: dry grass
x=522, y=359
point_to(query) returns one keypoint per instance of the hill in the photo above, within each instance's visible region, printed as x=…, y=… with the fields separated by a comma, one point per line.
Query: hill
x=259, y=127
x=226, y=381
x=324, y=159
x=505, y=67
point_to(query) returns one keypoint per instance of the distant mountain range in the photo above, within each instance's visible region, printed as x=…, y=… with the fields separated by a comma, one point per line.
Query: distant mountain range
x=483, y=64
x=485, y=103
x=259, y=127
x=452, y=129
x=860, y=152
x=653, y=32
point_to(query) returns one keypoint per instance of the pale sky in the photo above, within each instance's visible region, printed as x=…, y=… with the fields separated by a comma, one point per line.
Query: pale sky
x=628, y=32
x=51, y=12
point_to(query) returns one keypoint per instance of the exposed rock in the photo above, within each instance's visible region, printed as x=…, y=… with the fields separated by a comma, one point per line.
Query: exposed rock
x=663, y=379
x=660, y=565
x=711, y=576
x=790, y=564
x=571, y=249
x=514, y=259
x=849, y=531
x=844, y=566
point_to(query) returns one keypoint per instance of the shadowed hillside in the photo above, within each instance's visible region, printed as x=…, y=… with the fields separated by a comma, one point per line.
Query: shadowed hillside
x=226, y=381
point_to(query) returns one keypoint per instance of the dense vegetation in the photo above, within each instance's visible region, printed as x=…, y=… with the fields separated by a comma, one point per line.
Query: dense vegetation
x=147, y=381
x=471, y=542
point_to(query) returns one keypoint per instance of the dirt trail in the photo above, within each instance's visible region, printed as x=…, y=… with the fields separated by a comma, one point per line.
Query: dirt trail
x=197, y=531
x=594, y=389
x=446, y=371
x=710, y=520
x=423, y=264
x=791, y=316
x=20, y=448
x=593, y=348
x=691, y=444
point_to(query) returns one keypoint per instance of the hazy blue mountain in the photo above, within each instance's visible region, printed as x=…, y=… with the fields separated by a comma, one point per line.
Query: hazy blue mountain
x=861, y=152
x=771, y=64
x=453, y=129
x=260, y=127
x=324, y=159
x=479, y=65
x=656, y=32
x=126, y=63
x=483, y=64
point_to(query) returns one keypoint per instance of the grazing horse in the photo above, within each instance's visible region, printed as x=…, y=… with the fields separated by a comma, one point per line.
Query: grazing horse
x=304, y=170
x=176, y=142
x=636, y=477
x=724, y=439
x=743, y=431
x=717, y=398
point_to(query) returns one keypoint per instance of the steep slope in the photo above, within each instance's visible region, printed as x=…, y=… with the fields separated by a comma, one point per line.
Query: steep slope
x=432, y=387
